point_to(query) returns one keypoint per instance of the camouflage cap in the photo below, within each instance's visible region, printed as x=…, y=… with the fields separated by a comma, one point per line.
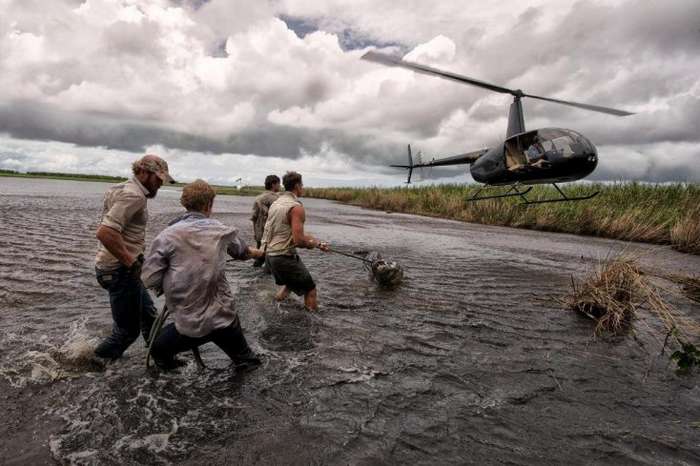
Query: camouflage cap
x=155, y=164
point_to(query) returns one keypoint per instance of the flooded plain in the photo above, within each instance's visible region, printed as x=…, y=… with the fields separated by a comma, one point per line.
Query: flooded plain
x=471, y=360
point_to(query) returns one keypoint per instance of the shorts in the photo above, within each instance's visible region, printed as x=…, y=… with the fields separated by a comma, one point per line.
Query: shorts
x=291, y=272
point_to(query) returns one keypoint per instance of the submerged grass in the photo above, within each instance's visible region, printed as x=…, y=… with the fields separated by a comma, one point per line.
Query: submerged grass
x=617, y=290
x=614, y=293
x=661, y=213
x=610, y=295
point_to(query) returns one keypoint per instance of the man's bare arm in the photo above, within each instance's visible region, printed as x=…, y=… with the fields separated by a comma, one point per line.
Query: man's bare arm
x=297, y=217
x=113, y=241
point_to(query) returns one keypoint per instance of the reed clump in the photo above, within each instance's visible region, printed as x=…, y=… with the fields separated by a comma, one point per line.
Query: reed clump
x=685, y=234
x=652, y=213
x=618, y=289
x=610, y=295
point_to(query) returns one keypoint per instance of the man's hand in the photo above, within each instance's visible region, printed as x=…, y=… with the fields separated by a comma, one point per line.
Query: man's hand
x=136, y=266
x=254, y=252
x=324, y=246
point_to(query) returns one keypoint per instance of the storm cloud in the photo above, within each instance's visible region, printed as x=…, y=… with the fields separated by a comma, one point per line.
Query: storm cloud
x=281, y=83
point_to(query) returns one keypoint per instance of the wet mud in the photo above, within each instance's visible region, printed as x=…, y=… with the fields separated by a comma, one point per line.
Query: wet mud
x=470, y=360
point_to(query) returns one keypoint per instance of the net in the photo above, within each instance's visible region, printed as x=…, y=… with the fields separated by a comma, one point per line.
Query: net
x=386, y=273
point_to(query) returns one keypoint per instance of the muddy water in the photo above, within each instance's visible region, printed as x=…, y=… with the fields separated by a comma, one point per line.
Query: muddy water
x=470, y=361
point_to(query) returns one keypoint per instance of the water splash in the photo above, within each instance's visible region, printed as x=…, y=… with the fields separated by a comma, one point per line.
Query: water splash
x=49, y=362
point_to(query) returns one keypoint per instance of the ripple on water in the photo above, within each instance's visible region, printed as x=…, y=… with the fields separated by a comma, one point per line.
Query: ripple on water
x=469, y=361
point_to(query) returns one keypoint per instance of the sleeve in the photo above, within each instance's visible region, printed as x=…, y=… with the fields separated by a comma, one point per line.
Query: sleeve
x=255, y=212
x=237, y=248
x=123, y=209
x=156, y=264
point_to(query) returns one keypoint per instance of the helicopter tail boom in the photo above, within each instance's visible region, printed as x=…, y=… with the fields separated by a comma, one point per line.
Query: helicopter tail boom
x=461, y=159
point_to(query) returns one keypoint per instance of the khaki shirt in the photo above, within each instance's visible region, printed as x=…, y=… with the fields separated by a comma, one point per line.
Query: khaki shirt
x=277, y=238
x=260, y=208
x=187, y=262
x=124, y=210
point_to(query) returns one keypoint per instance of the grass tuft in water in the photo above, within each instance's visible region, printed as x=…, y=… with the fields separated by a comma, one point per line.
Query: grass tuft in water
x=618, y=289
x=610, y=295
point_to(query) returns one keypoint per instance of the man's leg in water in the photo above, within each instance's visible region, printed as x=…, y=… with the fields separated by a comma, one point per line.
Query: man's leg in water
x=132, y=309
x=232, y=341
x=170, y=342
x=282, y=293
x=311, y=300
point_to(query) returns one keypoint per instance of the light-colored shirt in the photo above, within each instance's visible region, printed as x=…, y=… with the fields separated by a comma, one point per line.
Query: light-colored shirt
x=187, y=262
x=261, y=206
x=124, y=210
x=277, y=238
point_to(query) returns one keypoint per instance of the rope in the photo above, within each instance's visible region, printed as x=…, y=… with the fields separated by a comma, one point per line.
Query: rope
x=155, y=330
x=363, y=259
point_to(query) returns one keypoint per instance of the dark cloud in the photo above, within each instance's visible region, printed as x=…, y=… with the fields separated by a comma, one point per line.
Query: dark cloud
x=193, y=4
x=40, y=122
x=349, y=38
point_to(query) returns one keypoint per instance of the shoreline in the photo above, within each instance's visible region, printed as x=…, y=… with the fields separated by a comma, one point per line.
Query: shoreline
x=222, y=190
x=654, y=214
x=666, y=214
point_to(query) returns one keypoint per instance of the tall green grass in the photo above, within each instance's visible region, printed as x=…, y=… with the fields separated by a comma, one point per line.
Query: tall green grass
x=662, y=213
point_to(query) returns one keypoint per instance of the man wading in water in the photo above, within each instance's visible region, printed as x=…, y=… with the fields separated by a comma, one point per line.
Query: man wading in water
x=187, y=262
x=284, y=232
x=121, y=235
x=260, y=208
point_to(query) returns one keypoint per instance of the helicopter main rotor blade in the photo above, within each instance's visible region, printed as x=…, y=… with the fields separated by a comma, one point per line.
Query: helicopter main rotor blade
x=595, y=108
x=394, y=61
x=390, y=60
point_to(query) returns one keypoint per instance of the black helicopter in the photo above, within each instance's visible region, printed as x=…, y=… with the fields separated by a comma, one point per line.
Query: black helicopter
x=541, y=156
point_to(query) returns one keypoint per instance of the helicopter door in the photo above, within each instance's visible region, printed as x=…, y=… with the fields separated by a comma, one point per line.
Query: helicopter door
x=515, y=159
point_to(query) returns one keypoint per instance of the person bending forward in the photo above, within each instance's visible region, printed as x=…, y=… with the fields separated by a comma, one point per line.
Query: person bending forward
x=187, y=263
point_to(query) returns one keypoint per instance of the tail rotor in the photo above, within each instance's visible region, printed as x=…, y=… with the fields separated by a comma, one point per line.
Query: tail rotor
x=410, y=165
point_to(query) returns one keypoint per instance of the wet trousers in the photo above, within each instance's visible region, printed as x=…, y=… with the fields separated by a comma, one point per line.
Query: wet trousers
x=260, y=261
x=132, y=311
x=230, y=339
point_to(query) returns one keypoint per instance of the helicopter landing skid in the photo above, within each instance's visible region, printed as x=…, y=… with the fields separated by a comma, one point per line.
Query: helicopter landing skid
x=563, y=197
x=514, y=191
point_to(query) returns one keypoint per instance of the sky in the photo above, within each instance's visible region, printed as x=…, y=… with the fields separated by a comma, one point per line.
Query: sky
x=228, y=89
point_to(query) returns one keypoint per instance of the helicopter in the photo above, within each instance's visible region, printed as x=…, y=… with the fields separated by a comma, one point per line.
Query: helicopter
x=525, y=158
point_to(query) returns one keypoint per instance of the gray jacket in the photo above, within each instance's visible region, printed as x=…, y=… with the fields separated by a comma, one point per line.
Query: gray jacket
x=187, y=262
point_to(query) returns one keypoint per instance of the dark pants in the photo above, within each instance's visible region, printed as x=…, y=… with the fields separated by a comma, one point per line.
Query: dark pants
x=132, y=310
x=291, y=272
x=260, y=261
x=230, y=339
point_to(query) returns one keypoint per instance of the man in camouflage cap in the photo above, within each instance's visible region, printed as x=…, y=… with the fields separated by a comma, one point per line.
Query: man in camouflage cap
x=122, y=237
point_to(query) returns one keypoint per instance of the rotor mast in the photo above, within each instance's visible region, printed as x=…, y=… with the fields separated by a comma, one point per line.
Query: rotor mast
x=516, y=119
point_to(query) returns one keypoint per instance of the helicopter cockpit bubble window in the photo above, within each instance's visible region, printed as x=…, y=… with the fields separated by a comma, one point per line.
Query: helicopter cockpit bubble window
x=580, y=144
